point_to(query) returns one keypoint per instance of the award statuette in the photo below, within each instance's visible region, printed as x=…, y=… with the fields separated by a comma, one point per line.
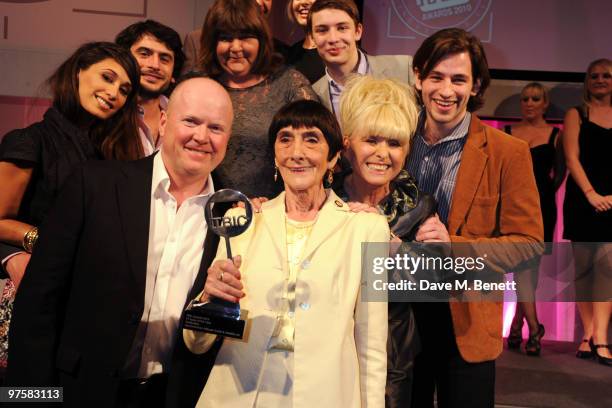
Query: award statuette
x=220, y=316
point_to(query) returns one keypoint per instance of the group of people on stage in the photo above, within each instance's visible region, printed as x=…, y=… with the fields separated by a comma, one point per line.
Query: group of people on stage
x=337, y=148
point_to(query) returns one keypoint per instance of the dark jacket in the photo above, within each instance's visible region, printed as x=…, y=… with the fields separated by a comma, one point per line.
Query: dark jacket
x=82, y=297
x=52, y=148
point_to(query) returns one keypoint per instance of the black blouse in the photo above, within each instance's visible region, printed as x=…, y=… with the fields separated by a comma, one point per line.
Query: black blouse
x=53, y=148
x=307, y=61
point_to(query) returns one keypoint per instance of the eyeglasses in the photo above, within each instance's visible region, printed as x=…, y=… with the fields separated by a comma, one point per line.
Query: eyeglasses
x=604, y=75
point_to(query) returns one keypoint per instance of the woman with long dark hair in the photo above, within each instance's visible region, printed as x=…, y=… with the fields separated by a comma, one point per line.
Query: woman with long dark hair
x=303, y=55
x=93, y=116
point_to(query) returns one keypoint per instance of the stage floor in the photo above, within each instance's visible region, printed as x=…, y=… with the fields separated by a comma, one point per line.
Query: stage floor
x=556, y=379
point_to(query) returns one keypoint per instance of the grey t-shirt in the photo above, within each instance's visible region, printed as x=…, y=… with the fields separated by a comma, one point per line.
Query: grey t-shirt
x=249, y=162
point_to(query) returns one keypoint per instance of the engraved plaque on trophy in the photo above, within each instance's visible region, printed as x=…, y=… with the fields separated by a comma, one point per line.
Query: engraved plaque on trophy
x=220, y=316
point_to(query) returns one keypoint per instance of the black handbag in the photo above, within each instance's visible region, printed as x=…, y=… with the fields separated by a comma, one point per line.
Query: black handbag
x=406, y=225
x=406, y=207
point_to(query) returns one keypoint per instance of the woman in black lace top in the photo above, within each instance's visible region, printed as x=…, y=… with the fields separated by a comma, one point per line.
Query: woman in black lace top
x=238, y=52
x=378, y=118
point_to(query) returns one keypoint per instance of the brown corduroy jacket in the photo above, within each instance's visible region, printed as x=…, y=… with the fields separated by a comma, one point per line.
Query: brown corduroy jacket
x=495, y=204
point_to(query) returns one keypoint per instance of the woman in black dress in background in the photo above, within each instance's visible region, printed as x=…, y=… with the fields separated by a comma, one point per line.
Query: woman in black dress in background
x=303, y=55
x=587, y=209
x=549, y=171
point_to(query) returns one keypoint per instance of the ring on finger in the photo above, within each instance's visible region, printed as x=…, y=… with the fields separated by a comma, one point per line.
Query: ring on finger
x=221, y=276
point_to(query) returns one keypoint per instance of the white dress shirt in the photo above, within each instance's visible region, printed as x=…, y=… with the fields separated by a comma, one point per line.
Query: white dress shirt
x=176, y=241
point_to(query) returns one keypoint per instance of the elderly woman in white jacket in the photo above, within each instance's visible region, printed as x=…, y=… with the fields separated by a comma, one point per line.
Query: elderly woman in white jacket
x=312, y=340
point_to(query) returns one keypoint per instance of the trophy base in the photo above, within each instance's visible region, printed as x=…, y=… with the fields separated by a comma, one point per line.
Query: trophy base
x=216, y=319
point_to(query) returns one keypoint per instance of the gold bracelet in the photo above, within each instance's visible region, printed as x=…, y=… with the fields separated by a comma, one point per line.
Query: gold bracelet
x=29, y=239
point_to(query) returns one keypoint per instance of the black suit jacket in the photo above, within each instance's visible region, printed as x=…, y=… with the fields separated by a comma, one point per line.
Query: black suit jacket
x=82, y=297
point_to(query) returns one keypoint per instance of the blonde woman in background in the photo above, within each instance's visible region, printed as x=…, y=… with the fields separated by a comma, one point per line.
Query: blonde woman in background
x=587, y=208
x=549, y=172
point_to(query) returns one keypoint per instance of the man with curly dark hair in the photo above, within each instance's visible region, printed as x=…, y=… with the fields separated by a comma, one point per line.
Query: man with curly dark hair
x=158, y=51
x=486, y=192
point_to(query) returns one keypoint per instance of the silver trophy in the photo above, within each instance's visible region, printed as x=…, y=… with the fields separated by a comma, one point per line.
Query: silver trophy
x=220, y=316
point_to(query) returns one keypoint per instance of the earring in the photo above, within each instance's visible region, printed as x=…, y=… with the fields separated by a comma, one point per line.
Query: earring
x=330, y=177
x=275, y=173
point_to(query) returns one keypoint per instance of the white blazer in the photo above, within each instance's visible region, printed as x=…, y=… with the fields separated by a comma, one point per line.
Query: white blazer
x=340, y=340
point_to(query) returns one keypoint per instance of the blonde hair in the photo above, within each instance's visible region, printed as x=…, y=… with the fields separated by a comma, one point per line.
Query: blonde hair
x=538, y=87
x=378, y=107
x=602, y=62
